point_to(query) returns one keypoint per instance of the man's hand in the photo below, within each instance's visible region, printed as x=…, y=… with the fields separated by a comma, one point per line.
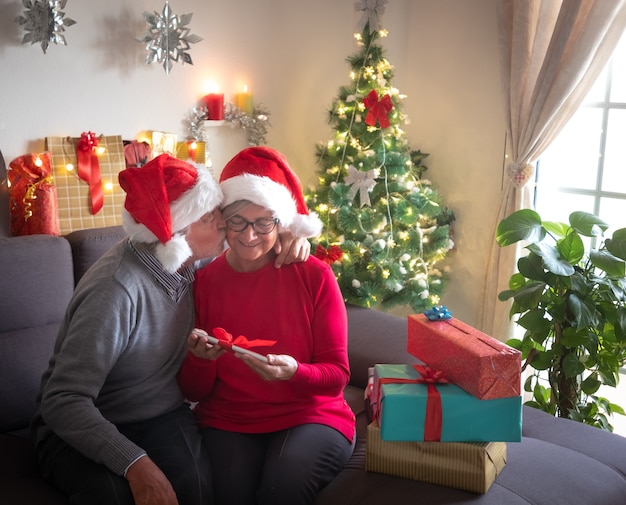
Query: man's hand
x=290, y=249
x=149, y=485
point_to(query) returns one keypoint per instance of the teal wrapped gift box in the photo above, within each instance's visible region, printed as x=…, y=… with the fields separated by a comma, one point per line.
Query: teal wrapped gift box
x=401, y=410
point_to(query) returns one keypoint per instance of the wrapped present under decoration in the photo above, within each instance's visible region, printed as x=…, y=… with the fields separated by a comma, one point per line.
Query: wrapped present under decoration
x=32, y=196
x=161, y=142
x=413, y=403
x=481, y=365
x=137, y=153
x=85, y=171
x=469, y=466
x=191, y=151
x=368, y=395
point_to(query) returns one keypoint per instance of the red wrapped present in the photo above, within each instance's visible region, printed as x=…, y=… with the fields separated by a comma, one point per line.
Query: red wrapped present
x=481, y=365
x=32, y=196
x=136, y=153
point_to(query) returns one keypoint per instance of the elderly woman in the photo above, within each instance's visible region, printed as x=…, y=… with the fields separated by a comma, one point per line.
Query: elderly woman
x=275, y=423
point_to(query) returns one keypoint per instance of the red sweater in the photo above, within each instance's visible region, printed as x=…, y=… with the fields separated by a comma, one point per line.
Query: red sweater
x=299, y=306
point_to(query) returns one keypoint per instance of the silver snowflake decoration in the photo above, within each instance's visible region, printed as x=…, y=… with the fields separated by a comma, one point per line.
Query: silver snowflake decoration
x=44, y=22
x=168, y=38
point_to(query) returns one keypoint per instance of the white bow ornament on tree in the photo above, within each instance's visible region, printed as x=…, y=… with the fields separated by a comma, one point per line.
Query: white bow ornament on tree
x=362, y=182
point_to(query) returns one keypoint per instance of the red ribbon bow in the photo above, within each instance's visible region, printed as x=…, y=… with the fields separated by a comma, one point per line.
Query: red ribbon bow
x=378, y=109
x=89, y=168
x=434, y=414
x=334, y=253
x=226, y=340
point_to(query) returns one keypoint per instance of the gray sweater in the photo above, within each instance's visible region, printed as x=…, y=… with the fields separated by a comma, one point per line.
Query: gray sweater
x=116, y=358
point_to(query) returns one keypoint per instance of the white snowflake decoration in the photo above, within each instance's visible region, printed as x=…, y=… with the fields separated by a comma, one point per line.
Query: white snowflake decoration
x=168, y=38
x=44, y=22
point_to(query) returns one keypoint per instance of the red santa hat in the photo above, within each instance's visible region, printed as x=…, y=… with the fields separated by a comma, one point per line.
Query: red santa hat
x=162, y=198
x=262, y=176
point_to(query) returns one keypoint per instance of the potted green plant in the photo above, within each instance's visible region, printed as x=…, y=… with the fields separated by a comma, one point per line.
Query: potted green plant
x=569, y=295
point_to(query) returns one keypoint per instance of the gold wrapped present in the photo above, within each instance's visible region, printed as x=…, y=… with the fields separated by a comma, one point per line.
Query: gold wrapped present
x=191, y=151
x=161, y=142
x=92, y=203
x=463, y=465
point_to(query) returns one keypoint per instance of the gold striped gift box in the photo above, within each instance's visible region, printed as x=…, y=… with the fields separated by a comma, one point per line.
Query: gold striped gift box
x=73, y=193
x=472, y=466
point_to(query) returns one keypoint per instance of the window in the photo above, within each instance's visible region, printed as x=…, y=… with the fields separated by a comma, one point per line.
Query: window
x=585, y=169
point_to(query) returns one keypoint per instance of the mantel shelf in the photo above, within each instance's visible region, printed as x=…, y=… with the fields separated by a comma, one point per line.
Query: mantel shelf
x=214, y=122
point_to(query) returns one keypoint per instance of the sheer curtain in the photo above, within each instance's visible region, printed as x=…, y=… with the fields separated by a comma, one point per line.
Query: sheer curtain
x=551, y=52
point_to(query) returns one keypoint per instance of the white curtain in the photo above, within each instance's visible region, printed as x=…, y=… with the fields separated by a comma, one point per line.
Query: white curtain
x=551, y=53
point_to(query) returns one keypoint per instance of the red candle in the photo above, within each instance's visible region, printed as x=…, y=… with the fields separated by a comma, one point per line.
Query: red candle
x=192, y=145
x=215, y=104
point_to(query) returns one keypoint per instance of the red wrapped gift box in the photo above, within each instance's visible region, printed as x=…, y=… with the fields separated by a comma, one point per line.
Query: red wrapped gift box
x=481, y=365
x=32, y=196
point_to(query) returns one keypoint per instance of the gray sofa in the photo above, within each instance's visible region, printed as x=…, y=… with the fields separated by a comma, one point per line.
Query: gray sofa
x=557, y=462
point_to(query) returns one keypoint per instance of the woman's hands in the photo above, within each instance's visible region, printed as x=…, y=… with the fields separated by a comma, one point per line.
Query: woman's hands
x=199, y=345
x=279, y=366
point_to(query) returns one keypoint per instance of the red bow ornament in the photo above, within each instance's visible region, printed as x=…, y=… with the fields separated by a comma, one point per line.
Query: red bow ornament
x=434, y=415
x=330, y=255
x=89, y=168
x=378, y=109
x=226, y=340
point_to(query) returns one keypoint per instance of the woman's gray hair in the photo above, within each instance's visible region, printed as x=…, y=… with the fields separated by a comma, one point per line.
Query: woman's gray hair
x=233, y=208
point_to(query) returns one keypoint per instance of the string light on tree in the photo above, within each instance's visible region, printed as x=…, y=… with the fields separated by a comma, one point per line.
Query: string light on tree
x=385, y=224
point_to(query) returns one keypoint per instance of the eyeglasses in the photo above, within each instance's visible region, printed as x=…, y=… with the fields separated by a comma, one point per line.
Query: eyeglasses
x=262, y=226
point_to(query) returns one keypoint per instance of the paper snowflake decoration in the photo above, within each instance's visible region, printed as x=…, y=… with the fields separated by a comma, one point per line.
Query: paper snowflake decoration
x=168, y=38
x=44, y=22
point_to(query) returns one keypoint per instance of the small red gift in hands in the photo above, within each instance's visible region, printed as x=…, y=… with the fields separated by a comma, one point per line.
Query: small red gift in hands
x=240, y=344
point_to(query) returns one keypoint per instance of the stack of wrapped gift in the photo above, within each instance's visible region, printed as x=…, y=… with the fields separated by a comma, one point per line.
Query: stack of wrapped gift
x=446, y=421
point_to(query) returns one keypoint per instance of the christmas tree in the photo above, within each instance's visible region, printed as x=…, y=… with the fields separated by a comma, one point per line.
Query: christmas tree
x=386, y=229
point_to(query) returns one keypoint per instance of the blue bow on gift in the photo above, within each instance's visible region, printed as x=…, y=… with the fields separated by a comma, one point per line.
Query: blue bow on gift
x=438, y=313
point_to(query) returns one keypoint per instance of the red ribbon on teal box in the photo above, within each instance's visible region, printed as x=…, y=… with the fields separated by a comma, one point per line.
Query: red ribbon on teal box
x=402, y=410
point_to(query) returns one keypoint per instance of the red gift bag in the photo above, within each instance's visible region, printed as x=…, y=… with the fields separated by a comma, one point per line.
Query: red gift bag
x=32, y=196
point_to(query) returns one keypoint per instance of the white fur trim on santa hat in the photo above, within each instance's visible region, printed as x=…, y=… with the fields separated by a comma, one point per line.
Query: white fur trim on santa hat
x=306, y=226
x=138, y=232
x=203, y=197
x=272, y=195
x=173, y=253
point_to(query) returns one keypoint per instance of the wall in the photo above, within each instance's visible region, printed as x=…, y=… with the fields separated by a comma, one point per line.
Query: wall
x=291, y=54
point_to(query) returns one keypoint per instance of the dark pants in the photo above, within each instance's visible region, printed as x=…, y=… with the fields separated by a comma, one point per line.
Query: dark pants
x=172, y=441
x=286, y=467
